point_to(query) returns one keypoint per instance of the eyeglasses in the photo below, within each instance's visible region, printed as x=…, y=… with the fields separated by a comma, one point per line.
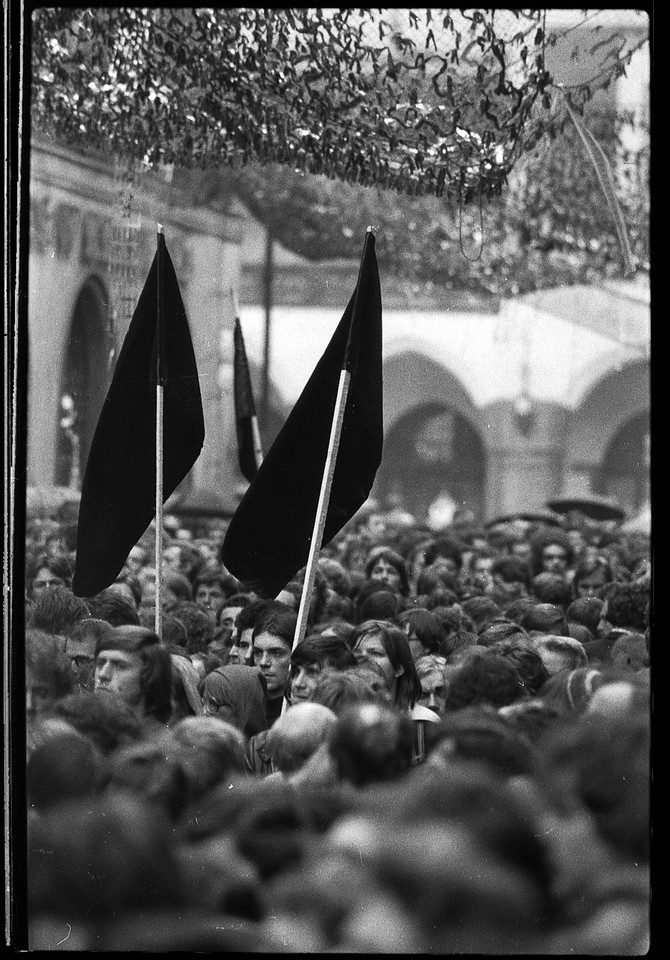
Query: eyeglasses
x=55, y=582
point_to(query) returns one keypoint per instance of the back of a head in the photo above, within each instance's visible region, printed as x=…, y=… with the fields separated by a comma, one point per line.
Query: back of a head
x=560, y=652
x=108, y=721
x=482, y=609
x=381, y=604
x=500, y=628
x=551, y=588
x=57, y=610
x=323, y=650
x=585, y=610
x=627, y=605
x=114, y=607
x=66, y=766
x=487, y=679
x=298, y=733
x=339, y=689
x=371, y=743
x=545, y=618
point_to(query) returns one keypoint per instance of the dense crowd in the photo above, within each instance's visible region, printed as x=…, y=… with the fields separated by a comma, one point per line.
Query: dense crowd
x=455, y=758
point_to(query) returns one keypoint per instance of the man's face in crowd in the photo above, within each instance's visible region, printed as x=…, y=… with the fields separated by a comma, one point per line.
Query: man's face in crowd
x=40, y=694
x=273, y=656
x=227, y=618
x=118, y=672
x=209, y=596
x=554, y=558
x=433, y=690
x=242, y=649
x=45, y=578
x=386, y=573
x=81, y=651
x=303, y=681
x=136, y=560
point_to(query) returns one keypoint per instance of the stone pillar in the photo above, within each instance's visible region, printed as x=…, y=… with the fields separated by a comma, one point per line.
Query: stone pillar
x=524, y=471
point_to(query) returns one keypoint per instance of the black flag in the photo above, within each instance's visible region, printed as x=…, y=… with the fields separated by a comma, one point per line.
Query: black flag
x=245, y=408
x=269, y=535
x=118, y=498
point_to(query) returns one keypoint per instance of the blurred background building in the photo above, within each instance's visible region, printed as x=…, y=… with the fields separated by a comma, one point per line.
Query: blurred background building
x=497, y=404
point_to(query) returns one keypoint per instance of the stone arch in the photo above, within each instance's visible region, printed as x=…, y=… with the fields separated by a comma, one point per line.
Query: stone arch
x=432, y=437
x=608, y=435
x=85, y=375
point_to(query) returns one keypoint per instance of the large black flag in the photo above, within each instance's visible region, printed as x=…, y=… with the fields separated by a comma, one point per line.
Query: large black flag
x=269, y=536
x=245, y=408
x=118, y=498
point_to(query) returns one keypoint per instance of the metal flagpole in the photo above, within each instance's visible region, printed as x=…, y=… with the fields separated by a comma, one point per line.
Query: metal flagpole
x=158, y=621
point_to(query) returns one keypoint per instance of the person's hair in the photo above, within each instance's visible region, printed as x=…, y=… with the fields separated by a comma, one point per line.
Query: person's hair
x=567, y=647
x=551, y=588
x=66, y=766
x=199, y=625
x=585, y=610
x=177, y=583
x=150, y=770
x=324, y=650
x=443, y=547
x=338, y=689
x=209, y=749
x=336, y=575
x=458, y=639
x=59, y=566
x=489, y=678
x=586, y=567
x=436, y=577
x=156, y=666
x=479, y=733
x=47, y=661
x=429, y=662
x=440, y=597
x=209, y=576
x=240, y=600
x=500, y=628
x=378, y=602
x=340, y=607
x=515, y=609
x=133, y=583
x=569, y=690
x=249, y=615
x=173, y=630
x=108, y=721
x=394, y=559
x=426, y=625
x=372, y=743
x=545, y=618
x=482, y=609
x=114, y=607
x=57, y=610
x=511, y=570
x=627, y=604
x=298, y=733
x=580, y=632
x=545, y=537
x=279, y=620
x=454, y=618
x=520, y=651
x=396, y=645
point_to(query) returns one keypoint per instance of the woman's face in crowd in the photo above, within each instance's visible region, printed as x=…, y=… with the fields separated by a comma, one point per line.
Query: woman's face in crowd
x=371, y=647
x=385, y=572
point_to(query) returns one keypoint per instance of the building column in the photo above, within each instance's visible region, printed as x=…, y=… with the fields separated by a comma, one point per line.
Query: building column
x=525, y=457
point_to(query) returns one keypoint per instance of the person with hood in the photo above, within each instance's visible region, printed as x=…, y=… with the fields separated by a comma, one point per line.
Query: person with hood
x=236, y=694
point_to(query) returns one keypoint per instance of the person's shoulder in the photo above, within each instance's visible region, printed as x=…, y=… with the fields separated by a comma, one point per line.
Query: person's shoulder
x=419, y=712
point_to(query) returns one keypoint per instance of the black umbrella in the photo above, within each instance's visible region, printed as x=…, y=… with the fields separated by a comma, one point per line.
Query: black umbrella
x=593, y=507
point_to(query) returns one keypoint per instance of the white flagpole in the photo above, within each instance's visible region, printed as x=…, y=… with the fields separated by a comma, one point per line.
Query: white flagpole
x=158, y=619
x=322, y=508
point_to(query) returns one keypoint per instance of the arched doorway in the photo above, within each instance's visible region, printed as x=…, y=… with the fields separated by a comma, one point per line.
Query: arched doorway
x=430, y=450
x=624, y=471
x=85, y=378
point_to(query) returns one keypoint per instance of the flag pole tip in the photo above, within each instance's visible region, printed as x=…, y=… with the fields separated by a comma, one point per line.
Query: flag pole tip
x=159, y=228
x=369, y=230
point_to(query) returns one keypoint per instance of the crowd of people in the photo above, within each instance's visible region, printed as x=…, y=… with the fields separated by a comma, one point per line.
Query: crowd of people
x=454, y=758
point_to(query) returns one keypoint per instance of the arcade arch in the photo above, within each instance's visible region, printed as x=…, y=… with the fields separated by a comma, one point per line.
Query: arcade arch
x=85, y=377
